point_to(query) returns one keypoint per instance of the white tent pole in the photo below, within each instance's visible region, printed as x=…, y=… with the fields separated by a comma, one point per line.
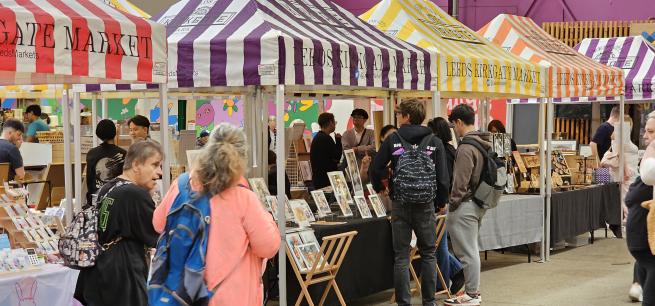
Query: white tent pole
x=621, y=149
x=484, y=116
x=105, y=108
x=542, y=172
x=509, y=118
x=436, y=104
x=78, y=150
x=164, y=131
x=94, y=119
x=68, y=174
x=386, y=110
x=280, y=147
x=549, y=167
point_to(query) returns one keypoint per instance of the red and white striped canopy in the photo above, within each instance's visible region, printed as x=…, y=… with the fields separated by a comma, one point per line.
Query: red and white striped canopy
x=77, y=41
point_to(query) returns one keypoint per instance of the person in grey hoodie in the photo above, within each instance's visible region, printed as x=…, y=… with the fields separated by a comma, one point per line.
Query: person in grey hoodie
x=465, y=216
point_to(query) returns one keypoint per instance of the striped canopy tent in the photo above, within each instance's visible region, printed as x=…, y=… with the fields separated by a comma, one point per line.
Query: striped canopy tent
x=109, y=46
x=297, y=43
x=301, y=47
x=77, y=42
x=634, y=55
x=469, y=65
x=570, y=74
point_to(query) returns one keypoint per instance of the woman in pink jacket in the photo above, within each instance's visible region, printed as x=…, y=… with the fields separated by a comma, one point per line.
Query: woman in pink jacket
x=242, y=234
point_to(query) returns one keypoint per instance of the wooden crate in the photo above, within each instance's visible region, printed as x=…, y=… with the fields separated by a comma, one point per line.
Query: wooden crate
x=572, y=33
x=578, y=129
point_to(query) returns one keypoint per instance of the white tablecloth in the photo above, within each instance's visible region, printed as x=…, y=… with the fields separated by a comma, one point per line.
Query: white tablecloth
x=50, y=285
x=517, y=220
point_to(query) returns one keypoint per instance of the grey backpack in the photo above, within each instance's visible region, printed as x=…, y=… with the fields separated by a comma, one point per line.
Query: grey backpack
x=493, y=178
x=415, y=175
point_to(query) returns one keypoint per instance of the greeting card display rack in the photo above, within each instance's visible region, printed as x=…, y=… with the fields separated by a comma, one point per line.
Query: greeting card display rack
x=26, y=230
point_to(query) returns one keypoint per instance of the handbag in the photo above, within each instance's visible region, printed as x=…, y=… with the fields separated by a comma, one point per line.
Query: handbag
x=602, y=176
x=610, y=160
x=650, y=223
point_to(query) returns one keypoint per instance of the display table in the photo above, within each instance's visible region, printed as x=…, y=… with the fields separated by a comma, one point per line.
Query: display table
x=517, y=220
x=49, y=285
x=582, y=211
x=367, y=267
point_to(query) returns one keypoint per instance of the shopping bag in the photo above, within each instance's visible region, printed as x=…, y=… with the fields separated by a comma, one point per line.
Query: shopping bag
x=650, y=223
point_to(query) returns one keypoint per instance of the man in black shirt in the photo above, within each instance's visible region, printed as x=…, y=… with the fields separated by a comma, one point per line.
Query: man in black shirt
x=325, y=153
x=10, y=141
x=104, y=162
x=602, y=139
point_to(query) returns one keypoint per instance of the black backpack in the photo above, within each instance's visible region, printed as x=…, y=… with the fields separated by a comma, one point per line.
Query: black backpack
x=415, y=175
x=493, y=178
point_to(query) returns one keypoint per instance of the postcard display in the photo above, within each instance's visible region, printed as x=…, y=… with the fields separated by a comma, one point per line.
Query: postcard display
x=501, y=144
x=25, y=229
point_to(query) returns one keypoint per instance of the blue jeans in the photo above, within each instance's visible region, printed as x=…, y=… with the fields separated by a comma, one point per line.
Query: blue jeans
x=420, y=218
x=448, y=264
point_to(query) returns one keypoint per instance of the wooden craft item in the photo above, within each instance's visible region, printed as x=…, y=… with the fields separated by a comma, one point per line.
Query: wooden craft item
x=531, y=161
x=519, y=161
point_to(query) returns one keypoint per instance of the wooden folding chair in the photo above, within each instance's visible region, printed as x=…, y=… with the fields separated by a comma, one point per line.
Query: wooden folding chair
x=333, y=250
x=413, y=255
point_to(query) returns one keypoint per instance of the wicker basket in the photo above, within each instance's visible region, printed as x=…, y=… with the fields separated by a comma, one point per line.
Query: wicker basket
x=50, y=137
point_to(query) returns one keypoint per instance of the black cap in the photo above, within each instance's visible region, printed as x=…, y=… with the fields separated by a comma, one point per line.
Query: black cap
x=359, y=112
x=204, y=133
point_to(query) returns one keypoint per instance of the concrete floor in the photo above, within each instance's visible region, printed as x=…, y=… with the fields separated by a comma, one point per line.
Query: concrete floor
x=591, y=275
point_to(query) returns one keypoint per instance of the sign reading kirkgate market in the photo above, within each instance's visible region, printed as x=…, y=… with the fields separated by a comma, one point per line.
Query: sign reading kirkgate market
x=67, y=37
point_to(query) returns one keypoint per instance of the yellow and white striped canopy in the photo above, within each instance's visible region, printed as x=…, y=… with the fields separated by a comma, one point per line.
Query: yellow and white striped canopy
x=128, y=7
x=469, y=65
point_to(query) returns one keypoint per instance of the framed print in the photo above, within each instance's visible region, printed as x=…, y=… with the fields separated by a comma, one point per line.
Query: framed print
x=362, y=206
x=321, y=203
x=339, y=185
x=293, y=241
x=378, y=207
x=353, y=171
x=302, y=212
x=259, y=187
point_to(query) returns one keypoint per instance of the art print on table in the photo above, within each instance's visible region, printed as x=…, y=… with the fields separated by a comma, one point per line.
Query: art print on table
x=272, y=206
x=321, y=203
x=370, y=189
x=344, y=205
x=21, y=223
x=301, y=212
x=311, y=253
x=362, y=206
x=293, y=241
x=339, y=185
x=378, y=207
x=259, y=187
x=353, y=171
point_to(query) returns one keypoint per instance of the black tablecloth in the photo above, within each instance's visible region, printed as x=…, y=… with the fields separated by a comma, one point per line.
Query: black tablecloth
x=366, y=269
x=581, y=211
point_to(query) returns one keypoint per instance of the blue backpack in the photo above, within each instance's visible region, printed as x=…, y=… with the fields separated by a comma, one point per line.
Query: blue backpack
x=178, y=268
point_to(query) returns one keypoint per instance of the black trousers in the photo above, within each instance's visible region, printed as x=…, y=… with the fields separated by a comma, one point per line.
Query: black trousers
x=646, y=262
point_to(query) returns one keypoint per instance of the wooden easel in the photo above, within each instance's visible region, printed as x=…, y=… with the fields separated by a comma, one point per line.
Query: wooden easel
x=413, y=255
x=333, y=250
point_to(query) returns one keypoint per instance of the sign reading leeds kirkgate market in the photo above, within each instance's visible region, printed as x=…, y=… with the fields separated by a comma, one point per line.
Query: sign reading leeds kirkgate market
x=42, y=36
x=466, y=62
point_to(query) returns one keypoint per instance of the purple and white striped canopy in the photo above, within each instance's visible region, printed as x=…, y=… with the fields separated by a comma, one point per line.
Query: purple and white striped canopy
x=292, y=42
x=635, y=55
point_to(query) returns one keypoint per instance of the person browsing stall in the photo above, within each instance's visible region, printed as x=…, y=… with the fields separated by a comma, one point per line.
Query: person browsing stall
x=125, y=230
x=359, y=138
x=36, y=124
x=139, y=128
x=242, y=234
x=413, y=207
x=325, y=152
x=10, y=141
x=104, y=162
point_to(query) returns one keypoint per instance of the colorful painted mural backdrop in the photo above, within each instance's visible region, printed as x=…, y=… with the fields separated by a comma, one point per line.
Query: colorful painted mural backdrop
x=210, y=113
x=119, y=109
x=299, y=110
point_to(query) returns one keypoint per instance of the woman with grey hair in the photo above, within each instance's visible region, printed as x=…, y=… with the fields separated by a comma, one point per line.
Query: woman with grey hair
x=125, y=231
x=241, y=233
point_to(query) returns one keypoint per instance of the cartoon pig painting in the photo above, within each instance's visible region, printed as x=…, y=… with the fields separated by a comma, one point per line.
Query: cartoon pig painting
x=205, y=115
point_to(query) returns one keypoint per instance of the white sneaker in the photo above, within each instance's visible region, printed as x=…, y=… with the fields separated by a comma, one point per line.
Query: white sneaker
x=464, y=300
x=636, y=294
